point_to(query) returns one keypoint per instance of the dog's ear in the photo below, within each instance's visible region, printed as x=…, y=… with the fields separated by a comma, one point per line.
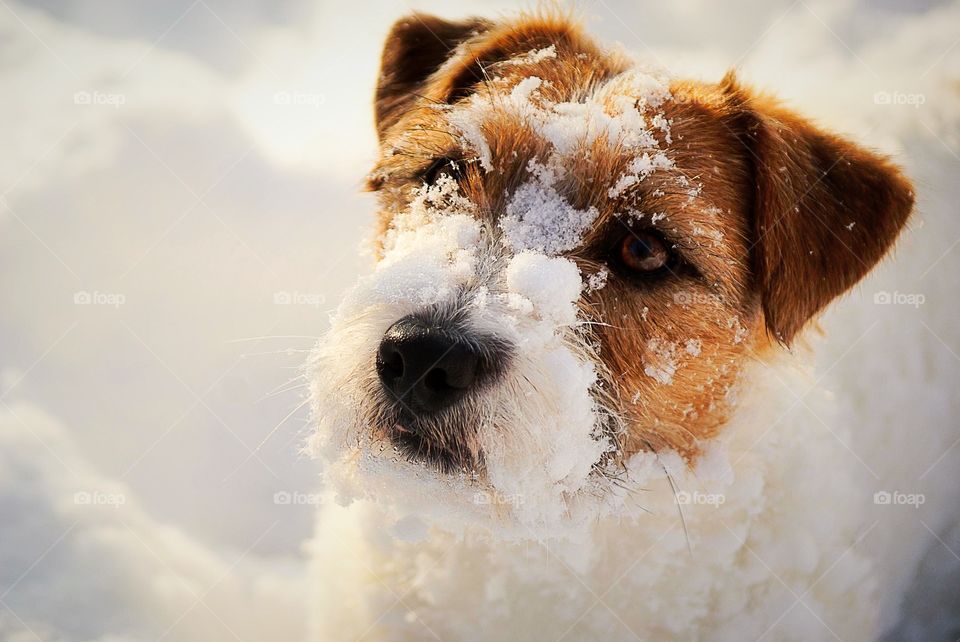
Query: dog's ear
x=415, y=48
x=824, y=210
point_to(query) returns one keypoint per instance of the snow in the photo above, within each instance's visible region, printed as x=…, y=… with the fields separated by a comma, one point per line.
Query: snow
x=538, y=218
x=660, y=361
x=597, y=280
x=640, y=168
x=534, y=56
x=551, y=284
x=618, y=113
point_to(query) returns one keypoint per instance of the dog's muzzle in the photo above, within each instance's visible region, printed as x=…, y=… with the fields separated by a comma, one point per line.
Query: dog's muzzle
x=432, y=371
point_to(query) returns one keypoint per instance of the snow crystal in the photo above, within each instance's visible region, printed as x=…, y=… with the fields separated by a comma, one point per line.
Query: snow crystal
x=521, y=93
x=552, y=284
x=660, y=362
x=538, y=218
x=641, y=167
x=534, y=56
x=598, y=280
x=739, y=332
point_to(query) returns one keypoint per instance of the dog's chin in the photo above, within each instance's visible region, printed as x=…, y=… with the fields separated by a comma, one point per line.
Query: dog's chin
x=410, y=442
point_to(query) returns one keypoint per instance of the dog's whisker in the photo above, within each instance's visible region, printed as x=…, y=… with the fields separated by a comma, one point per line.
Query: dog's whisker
x=277, y=427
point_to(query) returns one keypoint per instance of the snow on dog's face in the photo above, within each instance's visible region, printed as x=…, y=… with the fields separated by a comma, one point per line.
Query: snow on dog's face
x=578, y=257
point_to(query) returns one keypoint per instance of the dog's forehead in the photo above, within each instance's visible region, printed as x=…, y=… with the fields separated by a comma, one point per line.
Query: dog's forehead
x=615, y=138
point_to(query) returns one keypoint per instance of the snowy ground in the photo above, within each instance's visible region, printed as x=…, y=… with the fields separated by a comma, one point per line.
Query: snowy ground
x=180, y=211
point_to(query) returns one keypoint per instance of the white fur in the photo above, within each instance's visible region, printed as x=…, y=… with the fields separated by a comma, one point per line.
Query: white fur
x=767, y=547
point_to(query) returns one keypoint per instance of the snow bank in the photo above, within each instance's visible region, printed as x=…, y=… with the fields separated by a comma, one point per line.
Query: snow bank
x=81, y=560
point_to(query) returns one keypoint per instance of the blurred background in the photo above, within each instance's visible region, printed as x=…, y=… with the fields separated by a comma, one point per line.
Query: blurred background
x=181, y=209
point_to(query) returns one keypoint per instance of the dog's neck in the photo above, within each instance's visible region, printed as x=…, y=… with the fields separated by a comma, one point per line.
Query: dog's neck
x=722, y=540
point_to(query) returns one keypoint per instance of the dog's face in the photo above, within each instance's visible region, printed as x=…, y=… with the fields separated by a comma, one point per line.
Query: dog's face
x=579, y=256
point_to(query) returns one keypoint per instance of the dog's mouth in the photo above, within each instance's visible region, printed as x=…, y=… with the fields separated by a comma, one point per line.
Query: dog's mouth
x=412, y=443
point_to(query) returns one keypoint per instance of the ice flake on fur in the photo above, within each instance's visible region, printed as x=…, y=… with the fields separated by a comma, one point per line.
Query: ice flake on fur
x=616, y=112
x=739, y=332
x=538, y=218
x=640, y=168
x=660, y=361
x=534, y=56
x=520, y=95
x=597, y=280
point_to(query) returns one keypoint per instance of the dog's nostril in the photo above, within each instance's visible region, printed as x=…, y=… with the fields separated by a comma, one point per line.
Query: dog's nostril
x=426, y=368
x=392, y=364
x=436, y=380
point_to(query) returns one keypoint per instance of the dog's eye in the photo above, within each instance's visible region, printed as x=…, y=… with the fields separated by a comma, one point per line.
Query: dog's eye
x=644, y=253
x=444, y=165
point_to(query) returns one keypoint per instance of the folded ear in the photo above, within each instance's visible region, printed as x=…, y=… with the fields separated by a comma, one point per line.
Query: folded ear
x=825, y=211
x=415, y=48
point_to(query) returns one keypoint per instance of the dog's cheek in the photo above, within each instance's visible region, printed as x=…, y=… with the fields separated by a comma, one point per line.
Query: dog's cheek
x=675, y=362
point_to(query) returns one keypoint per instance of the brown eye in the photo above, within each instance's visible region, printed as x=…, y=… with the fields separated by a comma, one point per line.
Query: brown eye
x=644, y=253
x=444, y=165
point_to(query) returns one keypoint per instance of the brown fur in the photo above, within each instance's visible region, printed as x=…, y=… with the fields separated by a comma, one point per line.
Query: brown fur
x=767, y=233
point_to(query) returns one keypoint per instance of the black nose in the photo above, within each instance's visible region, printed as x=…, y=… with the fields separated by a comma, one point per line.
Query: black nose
x=426, y=368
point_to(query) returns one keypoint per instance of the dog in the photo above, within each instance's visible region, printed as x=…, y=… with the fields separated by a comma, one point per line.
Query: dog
x=573, y=400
